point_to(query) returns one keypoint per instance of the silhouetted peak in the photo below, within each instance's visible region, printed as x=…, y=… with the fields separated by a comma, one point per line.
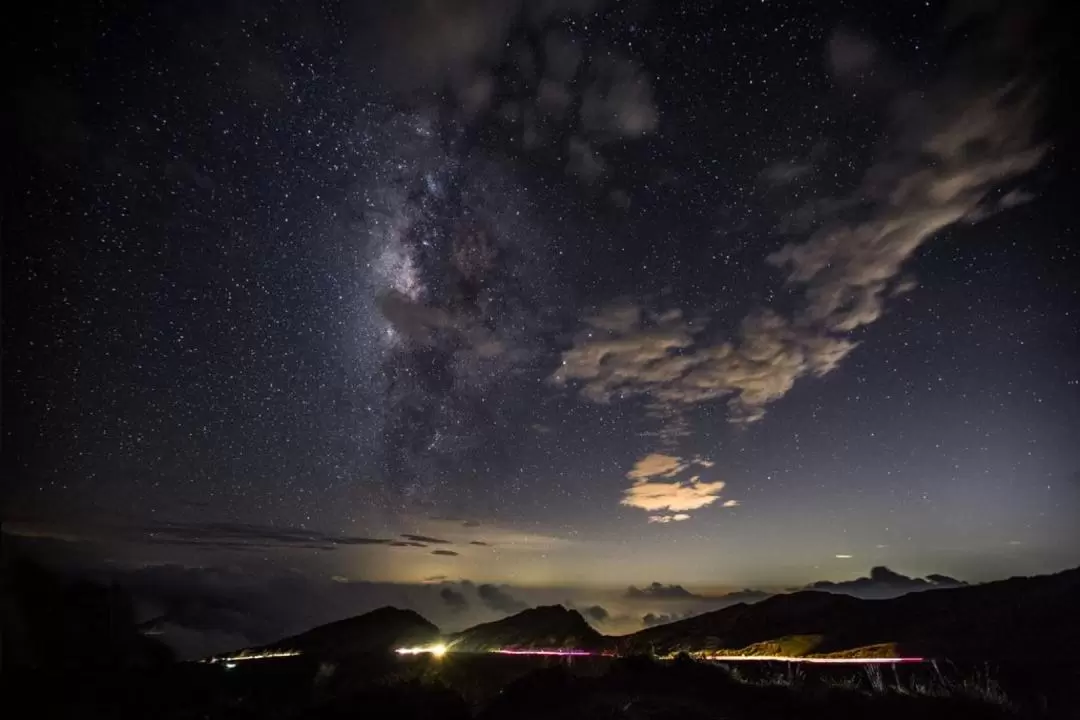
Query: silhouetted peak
x=375, y=631
x=547, y=626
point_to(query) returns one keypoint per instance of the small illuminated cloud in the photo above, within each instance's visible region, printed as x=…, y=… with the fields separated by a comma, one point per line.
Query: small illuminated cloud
x=657, y=490
x=843, y=557
x=675, y=497
x=677, y=517
x=656, y=465
x=731, y=503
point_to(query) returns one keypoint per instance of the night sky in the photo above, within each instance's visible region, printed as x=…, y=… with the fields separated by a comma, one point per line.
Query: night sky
x=363, y=300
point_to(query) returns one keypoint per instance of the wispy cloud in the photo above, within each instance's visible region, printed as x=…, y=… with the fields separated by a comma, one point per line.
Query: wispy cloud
x=662, y=356
x=784, y=173
x=955, y=144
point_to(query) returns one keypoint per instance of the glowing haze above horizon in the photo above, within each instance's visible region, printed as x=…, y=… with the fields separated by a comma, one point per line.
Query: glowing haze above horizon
x=554, y=298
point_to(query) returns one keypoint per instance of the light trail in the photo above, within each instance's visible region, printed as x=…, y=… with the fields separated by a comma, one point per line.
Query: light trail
x=552, y=653
x=440, y=650
x=816, y=660
x=435, y=650
x=253, y=656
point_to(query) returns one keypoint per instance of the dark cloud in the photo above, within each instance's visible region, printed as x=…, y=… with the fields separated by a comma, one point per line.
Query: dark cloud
x=883, y=583
x=546, y=83
x=406, y=543
x=618, y=100
x=479, y=542
x=223, y=535
x=455, y=45
x=459, y=326
x=953, y=146
x=851, y=55
x=653, y=619
x=428, y=326
x=786, y=172
x=425, y=539
x=596, y=613
x=745, y=596
x=498, y=599
x=207, y=600
x=454, y=600
x=435, y=578
x=448, y=553
x=359, y=541
x=658, y=591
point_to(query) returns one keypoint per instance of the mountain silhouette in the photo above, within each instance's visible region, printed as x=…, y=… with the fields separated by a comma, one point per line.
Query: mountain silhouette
x=380, y=630
x=1016, y=619
x=545, y=627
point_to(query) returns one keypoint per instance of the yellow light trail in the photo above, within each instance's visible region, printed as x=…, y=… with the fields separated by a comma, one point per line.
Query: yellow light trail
x=254, y=656
x=437, y=650
x=821, y=660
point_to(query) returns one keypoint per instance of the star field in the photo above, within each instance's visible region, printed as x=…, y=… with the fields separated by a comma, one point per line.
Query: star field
x=294, y=286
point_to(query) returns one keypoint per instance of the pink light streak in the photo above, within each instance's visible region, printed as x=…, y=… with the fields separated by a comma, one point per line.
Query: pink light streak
x=556, y=653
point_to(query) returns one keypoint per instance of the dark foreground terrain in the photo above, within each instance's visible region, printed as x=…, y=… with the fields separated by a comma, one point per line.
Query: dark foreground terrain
x=489, y=687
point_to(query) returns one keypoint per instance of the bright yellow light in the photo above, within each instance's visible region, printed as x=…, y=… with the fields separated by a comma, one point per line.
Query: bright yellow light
x=434, y=650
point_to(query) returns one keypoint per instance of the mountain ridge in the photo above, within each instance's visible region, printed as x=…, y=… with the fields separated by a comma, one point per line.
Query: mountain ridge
x=1016, y=618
